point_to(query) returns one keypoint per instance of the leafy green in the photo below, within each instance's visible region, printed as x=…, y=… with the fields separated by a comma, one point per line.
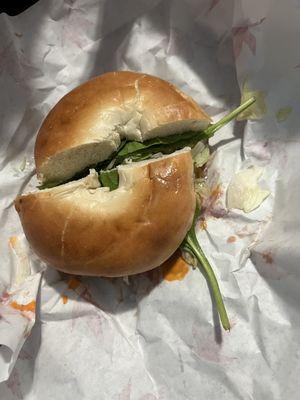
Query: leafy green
x=191, y=245
x=49, y=185
x=137, y=151
x=109, y=179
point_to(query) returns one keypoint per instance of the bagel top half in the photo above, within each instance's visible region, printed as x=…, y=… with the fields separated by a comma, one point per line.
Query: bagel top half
x=86, y=126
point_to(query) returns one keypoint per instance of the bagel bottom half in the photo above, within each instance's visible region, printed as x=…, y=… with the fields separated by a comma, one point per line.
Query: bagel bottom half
x=84, y=229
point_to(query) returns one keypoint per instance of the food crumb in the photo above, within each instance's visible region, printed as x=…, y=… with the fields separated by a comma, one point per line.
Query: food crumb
x=231, y=239
x=203, y=225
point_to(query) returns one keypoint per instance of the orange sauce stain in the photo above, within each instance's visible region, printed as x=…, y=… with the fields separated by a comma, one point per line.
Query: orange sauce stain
x=64, y=299
x=231, y=239
x=267, y=257
x=175, y=268
x=203, y=225
x=210, y=202
x=215, y=193
x=13, y=241
x=24, y=307
x=73, y=283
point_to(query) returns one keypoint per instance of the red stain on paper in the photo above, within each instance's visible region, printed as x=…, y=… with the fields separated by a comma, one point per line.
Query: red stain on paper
x=4, y=297
x=206, y=347
x=267, y=267
x=95, y=321
x=74, y=25
x=242, y=35
x=97, y=324
x=126, y=392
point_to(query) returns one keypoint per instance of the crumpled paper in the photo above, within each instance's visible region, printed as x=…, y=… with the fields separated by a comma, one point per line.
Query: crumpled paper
x=156, y=336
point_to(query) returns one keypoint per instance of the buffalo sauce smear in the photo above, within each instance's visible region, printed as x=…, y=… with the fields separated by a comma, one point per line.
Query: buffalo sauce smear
x=24, y=307
x=175, y=268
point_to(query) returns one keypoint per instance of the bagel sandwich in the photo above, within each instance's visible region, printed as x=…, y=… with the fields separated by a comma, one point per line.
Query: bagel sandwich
x=114, y=160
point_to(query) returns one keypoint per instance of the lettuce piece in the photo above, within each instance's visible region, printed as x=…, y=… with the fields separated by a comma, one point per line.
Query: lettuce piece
x=109, y=179
x=200, y=154
x=243, y=191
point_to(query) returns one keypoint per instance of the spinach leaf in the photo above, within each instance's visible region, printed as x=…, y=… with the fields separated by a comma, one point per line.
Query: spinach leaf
x=166, y=145
x=109, y=179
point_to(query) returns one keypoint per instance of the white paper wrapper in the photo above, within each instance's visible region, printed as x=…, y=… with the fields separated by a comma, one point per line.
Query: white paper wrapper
x=153, y=338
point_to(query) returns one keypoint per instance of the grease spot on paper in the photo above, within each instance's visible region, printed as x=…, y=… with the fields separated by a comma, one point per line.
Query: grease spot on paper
x=231, y=239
